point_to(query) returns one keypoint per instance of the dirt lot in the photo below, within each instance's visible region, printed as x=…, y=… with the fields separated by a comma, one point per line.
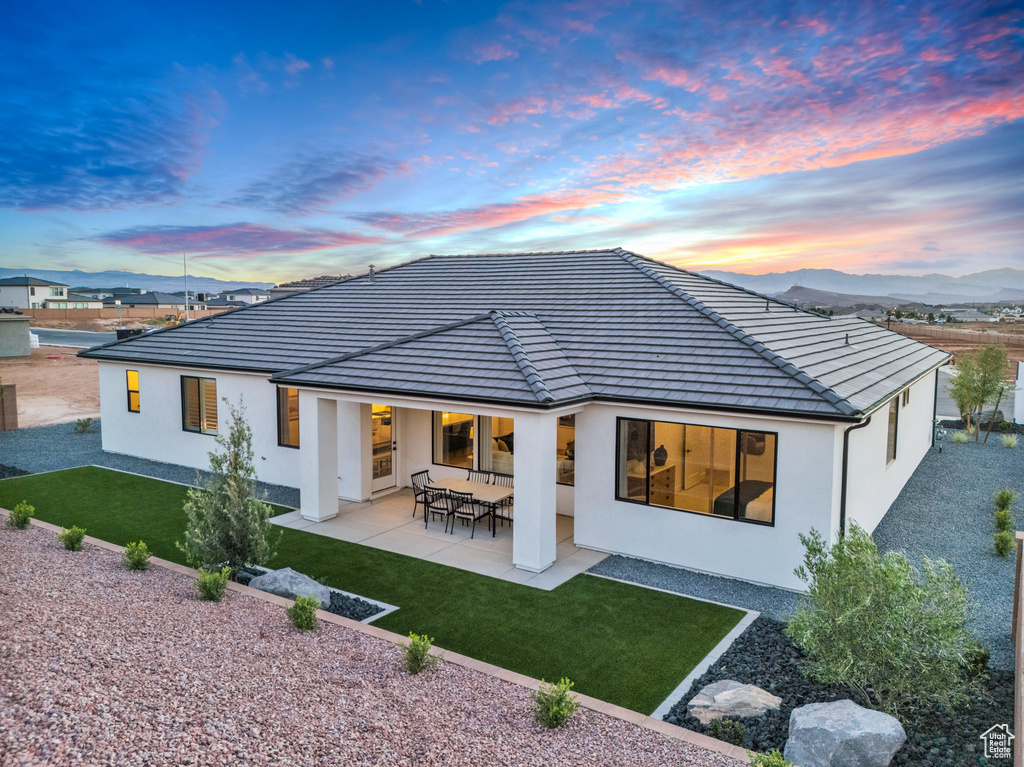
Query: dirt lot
x=53, y=390
x=965, y=337
x=97, y=326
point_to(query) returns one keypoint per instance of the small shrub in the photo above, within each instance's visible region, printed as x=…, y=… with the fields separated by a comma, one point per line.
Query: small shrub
x=211, y=583
x=303, y=612
x=82, y=425
x=1004, y=520
x=959, y=437
x=19, y=516
x=976, y=660
x=1004, y=498
x=136, y=556
x=972, y=431
x=417, y=653
x=552, y=703
x=1009, y=441
x=728, y=730
x=1005, y=427
x=773, y=758
x=72, y=539
x=1005, y=542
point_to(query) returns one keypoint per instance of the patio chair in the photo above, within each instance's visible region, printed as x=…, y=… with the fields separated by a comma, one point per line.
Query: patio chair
x=435, y=503
x=503, y=510
x=479, y=476
x=462, y=506
x=420, y=480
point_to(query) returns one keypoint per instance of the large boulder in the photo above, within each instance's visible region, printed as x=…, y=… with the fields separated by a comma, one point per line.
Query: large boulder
x=730, y=699
x=288, y=583
x=842, y=734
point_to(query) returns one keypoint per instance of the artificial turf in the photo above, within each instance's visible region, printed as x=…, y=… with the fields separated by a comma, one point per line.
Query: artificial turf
x=620, y=643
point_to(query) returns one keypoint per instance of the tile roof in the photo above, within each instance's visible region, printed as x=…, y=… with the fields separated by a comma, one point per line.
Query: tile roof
x=548, y=328
x=27, y=281
x=313, y=282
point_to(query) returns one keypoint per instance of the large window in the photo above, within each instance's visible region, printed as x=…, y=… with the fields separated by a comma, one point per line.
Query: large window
x=133, y=391
x=287, y=416
x=721, y=472
x=890, y=437
x=566, y=450
x=199, y=404
x=453, y=439
x=500, y=434
x=58, y=292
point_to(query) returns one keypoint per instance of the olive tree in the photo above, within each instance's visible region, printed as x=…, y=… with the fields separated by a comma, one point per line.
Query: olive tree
x=875, y=623
x=227, y=522
x=979, y=381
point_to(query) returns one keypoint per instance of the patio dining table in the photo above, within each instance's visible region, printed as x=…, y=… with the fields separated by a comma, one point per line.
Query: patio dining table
x=483, y=493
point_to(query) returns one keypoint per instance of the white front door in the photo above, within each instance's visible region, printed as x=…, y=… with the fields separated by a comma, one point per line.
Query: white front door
x=383, y=444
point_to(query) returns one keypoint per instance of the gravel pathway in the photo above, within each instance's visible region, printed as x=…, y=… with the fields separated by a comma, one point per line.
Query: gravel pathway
x=773, y=602
x=102, y=666
x=946, y=511
x=51, y=448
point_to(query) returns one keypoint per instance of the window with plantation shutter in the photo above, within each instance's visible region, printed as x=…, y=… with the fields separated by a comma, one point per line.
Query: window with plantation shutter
x=199, y=404
x=133, y=391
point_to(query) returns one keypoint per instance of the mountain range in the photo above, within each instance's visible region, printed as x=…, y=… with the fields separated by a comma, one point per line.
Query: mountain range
x=117, y=279
x=1005, y=284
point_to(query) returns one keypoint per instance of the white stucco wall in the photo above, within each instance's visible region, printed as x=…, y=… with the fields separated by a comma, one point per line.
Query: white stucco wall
x=872, y=486
x=155, y=432
x=17, y=296
x=805, y=495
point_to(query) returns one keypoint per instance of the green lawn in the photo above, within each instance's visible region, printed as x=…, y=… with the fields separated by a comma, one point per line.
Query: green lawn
x=620, y=643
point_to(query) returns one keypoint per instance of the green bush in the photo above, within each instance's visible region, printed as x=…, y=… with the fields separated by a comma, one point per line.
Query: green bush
x=303, y=612
x=1009, y=441
x=1005, y=541
x=82, y=425
x=19, y=516
x=136, y=556
x=211, y=583
x=1004, y=498
x=959, y=437
x=1004, y=520
x=1005, y=427
x=417, y=653
x=877, y=624
x=552, y=703
x=227, y=523
x=773, y=758
x=976, y=660
x=728, y=730
x=72, y=539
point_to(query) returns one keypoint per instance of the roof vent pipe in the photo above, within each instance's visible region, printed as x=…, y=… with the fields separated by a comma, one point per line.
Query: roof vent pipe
x=767, y=308
x=371, y=273
x=847, y=339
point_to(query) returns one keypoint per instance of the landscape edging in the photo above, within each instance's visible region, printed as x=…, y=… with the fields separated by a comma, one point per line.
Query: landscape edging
x=602, y=707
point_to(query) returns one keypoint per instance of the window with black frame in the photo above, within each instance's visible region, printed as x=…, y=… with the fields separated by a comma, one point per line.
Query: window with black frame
x=287, y=416
x=453, y=439
x=726, y=473
x=199, y=404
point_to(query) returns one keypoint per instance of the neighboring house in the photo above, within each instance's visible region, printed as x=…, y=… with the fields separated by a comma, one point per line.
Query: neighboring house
x=220, y=301
x=151, y=300
x=299, y=286
x=73, y=301
x=102, y=293
x=971, y=315
x=30, y=292
x=677, y=418
x=245, y=295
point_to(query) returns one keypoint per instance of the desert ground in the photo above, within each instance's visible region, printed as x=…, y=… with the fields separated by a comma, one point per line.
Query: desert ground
x=53, y=386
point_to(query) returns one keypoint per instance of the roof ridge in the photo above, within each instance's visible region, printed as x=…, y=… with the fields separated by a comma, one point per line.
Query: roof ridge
x=526, y=366
x=841, y=403
x=525, y=253
x=380, y=347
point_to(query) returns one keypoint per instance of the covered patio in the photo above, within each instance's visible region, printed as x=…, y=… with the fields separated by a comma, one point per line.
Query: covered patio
x=387, y=523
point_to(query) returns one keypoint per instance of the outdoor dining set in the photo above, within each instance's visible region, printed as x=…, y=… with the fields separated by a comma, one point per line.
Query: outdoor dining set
x=481, y=495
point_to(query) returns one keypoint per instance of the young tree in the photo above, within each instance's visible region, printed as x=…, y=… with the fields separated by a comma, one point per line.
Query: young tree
x=875, y=623
x=227, y=523
x=979, y=380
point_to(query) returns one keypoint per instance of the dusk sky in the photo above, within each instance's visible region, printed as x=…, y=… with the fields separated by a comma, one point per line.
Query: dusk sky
x=274, y=141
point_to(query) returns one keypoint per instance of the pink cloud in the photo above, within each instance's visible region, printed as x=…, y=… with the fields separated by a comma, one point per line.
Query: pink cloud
x=492, y=52
x=239, y=240
x=293, y=65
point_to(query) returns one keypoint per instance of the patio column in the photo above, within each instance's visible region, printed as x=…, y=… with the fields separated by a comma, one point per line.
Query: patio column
x=318, y=427
x=533, y=533
x=355, y=451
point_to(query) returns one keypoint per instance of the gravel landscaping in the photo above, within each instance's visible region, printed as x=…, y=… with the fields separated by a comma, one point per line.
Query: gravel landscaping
x=51, y=448
x=765, y=657
x=946, y=511
x=99, y=665
x=341, y=604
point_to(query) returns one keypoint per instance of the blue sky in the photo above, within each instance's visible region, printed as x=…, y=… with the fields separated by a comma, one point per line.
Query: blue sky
x=274, y=141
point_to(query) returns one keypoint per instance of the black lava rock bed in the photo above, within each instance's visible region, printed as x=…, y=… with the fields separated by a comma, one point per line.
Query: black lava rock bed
x=1007, y=427
x=7, y=472
x=341, y=604
x=764, y=656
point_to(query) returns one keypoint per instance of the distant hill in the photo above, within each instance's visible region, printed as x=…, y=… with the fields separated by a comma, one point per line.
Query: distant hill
x=810, y=297
x=991, y=285
x=116, y=279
